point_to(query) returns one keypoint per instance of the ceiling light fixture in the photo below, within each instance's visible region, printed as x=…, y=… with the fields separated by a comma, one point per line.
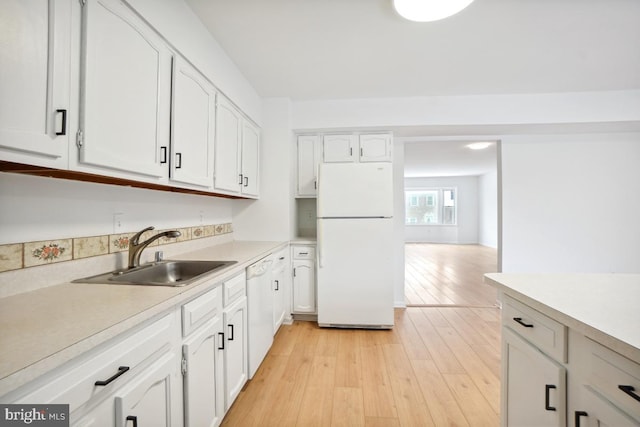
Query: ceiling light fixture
x=479, y=145
x=429, y=10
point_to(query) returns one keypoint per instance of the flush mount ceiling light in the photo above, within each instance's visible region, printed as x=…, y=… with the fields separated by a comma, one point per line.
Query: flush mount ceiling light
x=479, y=145
x=429, y=10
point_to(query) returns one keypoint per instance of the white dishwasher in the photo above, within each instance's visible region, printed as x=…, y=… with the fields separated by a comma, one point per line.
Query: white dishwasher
x=260, y=312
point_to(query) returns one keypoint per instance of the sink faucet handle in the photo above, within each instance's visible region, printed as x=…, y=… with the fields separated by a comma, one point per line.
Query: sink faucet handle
x=135, y=239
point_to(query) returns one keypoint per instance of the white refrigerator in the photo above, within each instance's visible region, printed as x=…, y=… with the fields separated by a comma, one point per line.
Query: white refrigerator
x=354, y=248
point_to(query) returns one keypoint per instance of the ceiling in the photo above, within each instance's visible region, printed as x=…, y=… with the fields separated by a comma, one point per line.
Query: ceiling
x=336, y=49
x=331, y=49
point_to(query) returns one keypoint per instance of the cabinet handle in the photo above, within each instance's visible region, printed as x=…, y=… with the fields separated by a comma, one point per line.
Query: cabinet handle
x=628, y=389
x=240, y=179
x=221, y=340
x=315, y=185
x=351, y=151
x=246, y=181
x=303, y=253
x=294, y=272
x=360, y=151
x=281, y=258
x=520, y=321
x=579, y=414
x=277, y=285
x=134, y=419
x=63, y=131
x=178, y=160
x=230, y=333
x=548, y=387
x=163, y=154
x=121, y=370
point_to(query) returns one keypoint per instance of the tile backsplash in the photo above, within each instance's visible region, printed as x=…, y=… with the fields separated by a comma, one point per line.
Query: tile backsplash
x=16, y=256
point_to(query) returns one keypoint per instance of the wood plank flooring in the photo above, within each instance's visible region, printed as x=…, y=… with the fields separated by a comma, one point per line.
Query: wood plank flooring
x=439, y=274
x=438, y=366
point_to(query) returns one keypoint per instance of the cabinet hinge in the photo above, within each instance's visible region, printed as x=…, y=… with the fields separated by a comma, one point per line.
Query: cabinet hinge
x=79, y=138
x=184, y=366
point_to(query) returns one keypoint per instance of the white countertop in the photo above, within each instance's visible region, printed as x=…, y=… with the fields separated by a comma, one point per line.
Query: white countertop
x=42, y=329
x=604, y=307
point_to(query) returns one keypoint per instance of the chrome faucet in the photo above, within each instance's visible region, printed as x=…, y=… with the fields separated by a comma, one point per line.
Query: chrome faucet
x=136, y=248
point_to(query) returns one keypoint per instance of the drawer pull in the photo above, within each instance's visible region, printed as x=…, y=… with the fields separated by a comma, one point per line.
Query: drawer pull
x=134, y=419
x=230, y=333
x=628, y=389
x=121, y=370
x=579, y=414
x=520, y=321
x=303, y=253
x=548, y=387
x=277, y=285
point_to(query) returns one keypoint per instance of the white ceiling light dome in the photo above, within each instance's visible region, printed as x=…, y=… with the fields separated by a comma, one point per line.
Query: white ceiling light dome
x=429, y=10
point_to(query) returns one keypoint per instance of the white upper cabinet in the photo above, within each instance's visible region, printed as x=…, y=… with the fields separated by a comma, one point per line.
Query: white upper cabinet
x=35, y=62
x=193, y=126
x=340, y=148
x=250, y=154
x=309, y=156
x=237, y=153
x=227, y=152
x=375, y=148
x=125, y=93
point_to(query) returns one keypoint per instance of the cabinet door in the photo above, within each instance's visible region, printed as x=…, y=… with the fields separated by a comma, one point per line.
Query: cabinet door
x=304, y=286
x=279, y=300
x=34, y=106
x=235, y=346
x=147, y=399
x=534, y=386
x=339, y=148
x=250, y=159
x=203, y=376
x=308, y=158
x=375, y=148
x=125, y=95
x=227, y=147
x=598, y=412
x=192, y=126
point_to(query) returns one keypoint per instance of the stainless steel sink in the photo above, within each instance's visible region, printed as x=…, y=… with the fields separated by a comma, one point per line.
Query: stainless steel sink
x=162, y=273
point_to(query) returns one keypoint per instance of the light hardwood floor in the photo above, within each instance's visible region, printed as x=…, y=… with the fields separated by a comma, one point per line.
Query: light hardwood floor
x=438, y=366
x=439, y=274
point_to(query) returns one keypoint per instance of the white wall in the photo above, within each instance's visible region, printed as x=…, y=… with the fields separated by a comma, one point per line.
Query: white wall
x=36, y=208
x=571, y=203
x=488, y=209
x=466, y=229
x=271, y=217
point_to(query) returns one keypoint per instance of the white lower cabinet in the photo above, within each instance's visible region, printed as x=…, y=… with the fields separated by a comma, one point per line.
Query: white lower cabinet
x=556, y=376
x=235, y=350
x=534, y=389
x=279, y=285
x=304, y=279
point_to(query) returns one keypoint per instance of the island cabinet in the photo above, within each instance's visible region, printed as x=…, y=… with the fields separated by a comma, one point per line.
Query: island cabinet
x=565, y=361
x=35, y=103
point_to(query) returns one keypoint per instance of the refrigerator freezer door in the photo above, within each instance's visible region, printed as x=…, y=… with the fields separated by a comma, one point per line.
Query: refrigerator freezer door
x=355, y=190
x=355, y=273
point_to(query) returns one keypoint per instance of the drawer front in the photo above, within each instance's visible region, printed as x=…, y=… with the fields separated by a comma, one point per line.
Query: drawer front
x=201, y=309
x=304, y=252
x=279, y=259
x=615, y=377
x=540, y=330
x=235, y=288
x=111, y=366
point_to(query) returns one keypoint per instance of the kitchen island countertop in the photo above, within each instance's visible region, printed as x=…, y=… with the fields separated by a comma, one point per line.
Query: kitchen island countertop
x=604, y=307
x=43, y=329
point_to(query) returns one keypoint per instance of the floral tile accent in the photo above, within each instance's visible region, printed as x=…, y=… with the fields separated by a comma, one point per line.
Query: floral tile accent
x=15, y=256
x=197, y=232
x=84, y=247
x=47, y=252
x=119, y=242
x=10, y=257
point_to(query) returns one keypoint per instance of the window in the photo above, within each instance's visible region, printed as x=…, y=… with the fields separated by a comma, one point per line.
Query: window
x=433, y=206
